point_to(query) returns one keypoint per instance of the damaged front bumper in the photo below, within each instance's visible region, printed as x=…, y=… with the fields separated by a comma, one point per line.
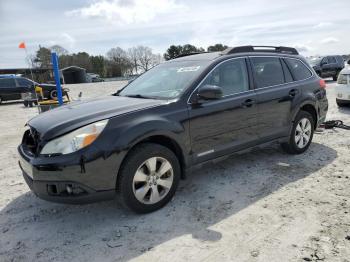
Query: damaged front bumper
x=64, y=182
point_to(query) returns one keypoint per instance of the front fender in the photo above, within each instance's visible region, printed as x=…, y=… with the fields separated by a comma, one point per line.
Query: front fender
x=137, y=130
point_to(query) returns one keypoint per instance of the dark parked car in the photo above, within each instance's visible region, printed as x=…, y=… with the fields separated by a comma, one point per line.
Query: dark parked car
x=179, y=115
x=12, y=87
x=328, y=66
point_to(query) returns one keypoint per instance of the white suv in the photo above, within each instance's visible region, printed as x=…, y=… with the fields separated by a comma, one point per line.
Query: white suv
x=343, y=87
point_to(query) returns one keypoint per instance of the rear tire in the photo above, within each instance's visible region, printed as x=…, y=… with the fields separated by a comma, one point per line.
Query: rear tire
x=148, y=178
x=53, y=94
x=301, y=135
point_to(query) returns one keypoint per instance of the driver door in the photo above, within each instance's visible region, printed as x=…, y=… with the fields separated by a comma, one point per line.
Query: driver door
x=228, y=124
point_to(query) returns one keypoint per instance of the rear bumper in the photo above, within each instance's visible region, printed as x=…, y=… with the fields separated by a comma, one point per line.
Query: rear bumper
x=343, y=93
x=343, y=101
x=322, y=111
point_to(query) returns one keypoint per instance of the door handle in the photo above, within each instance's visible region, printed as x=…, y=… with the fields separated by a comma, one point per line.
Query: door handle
x=248, y=103
x=293, y=92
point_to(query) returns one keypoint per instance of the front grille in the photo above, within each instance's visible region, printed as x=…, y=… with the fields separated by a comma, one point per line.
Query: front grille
x=31, y=141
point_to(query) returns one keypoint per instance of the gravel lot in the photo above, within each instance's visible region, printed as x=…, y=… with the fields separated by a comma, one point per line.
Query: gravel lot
x=263, y=205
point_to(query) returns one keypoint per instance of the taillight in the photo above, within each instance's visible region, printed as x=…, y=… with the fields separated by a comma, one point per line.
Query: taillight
x=322, y=83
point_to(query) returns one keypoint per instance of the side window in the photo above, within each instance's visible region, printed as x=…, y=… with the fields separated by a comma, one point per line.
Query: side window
x=268, y=71
x=299, y=70
x=332, y=60
x=287, y=75
x=340, y=60
x=7, y=82
x=324, y=61
x=23, y=82
x=231, y=76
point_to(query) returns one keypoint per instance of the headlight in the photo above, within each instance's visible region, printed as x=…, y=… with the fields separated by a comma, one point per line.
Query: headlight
x=75, y=140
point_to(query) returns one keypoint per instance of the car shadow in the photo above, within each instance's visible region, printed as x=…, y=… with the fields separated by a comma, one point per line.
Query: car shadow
x=344, y=110
x=41, y=231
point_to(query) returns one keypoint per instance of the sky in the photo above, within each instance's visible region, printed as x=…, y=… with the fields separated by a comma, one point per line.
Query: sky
x=314, y=27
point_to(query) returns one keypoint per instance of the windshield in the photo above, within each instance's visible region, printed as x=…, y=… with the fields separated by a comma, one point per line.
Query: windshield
x=167, y=80
x=314, y=61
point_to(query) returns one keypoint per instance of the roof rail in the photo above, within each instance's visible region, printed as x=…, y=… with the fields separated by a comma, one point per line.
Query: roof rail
x=188, y=54
x=262, y=48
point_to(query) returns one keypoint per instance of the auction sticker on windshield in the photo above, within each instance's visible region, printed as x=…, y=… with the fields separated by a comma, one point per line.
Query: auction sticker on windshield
x=188, y=69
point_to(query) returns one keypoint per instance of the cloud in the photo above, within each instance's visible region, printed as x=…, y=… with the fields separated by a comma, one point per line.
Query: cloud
x=323, y=25
x=302, y=48
x=330, y=40
x=126, y=11
x=64, y=39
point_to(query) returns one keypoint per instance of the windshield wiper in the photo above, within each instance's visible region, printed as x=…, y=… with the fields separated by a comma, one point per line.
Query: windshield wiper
x=139, y=96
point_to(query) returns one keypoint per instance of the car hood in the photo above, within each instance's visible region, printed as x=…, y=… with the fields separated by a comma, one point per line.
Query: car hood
x=66, y=118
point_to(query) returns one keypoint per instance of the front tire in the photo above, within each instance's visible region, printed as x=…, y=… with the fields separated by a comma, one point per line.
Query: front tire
x=301, y=135
x=148, y=178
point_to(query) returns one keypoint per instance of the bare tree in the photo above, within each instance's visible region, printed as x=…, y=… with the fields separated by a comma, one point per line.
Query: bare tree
x=146, y=59
x=120, y=59
x=134, y=59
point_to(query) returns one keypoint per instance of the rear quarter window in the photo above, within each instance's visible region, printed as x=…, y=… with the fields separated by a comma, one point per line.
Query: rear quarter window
x=298, y=68
x=340, y=60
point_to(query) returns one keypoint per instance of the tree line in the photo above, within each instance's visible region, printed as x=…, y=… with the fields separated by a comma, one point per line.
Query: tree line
x=117, y=61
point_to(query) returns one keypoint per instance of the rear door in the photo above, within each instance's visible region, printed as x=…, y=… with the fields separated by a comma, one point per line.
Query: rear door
x=219, y=127
x=275, y=93
x=8, y=89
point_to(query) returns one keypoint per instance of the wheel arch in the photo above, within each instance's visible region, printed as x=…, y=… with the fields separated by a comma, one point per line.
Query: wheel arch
x=309, y=106
x=166, y=141
x=312, y=110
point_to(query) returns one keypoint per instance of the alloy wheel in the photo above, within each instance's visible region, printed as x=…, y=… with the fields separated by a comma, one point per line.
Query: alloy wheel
x=303, y=133
x=153, y=180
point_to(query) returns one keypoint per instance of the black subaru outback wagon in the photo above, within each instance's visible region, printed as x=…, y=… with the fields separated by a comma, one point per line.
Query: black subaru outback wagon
x=139, y=142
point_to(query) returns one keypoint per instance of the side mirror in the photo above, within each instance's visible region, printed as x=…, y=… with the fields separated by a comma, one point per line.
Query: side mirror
x=209, y=92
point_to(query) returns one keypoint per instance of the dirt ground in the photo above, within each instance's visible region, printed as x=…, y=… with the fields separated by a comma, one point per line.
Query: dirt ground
x=263, y=205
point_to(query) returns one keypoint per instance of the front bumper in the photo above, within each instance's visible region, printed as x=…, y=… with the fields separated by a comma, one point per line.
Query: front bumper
x=71, y=183
x=66, y=192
